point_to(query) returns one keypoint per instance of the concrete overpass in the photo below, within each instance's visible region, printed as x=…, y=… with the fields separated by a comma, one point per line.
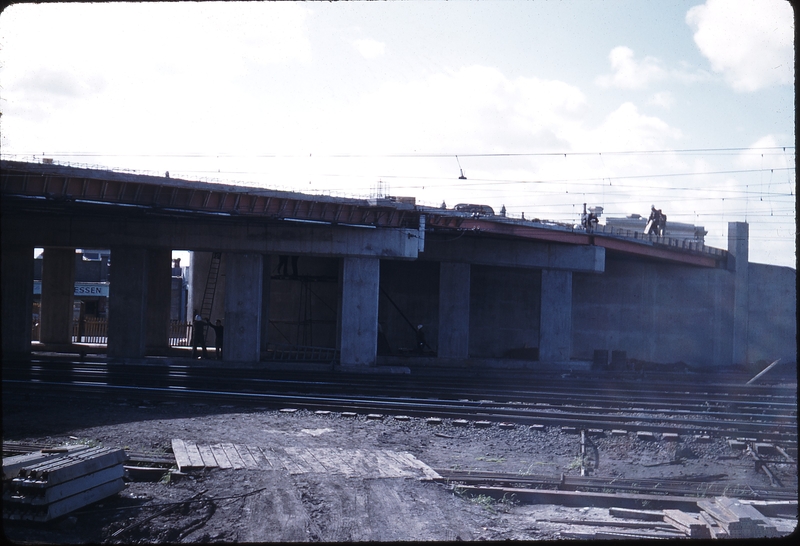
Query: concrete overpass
x=434, y=261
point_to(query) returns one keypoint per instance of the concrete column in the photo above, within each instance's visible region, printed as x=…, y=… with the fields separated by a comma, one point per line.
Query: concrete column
x=58, y=288
x=454, y=282
x=265, y=291
x=127, y=302
x=16, y=279
x=243, y=303
x=198, y=275
x=359, y=315
x=159, y=296
x=555, y=325
x=738, y=238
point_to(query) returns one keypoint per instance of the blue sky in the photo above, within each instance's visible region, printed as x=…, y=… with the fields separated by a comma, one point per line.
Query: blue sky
x=545, y=105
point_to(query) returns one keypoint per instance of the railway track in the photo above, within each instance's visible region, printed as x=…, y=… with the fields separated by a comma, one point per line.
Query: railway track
x=763, y=413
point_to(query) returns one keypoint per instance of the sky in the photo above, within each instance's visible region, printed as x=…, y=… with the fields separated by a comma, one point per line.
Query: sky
x=542, y=105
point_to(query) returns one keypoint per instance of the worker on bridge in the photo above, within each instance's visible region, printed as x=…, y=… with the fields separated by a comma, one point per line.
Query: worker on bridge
x=656, y=223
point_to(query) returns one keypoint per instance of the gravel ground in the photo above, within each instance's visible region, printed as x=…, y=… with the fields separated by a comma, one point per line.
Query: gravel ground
x=256, y=506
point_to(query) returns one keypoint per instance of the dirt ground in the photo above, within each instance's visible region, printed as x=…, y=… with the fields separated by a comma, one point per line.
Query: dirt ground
x=256, y=506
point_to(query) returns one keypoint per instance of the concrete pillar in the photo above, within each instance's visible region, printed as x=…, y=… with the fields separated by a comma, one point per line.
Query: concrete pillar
x=555, y=325
x=58, y=289
x=360, y=280
x=454, y=282
x=16, y=279
x=243, y=303
x=198, y=275
x=127, y=302
x=265, y=291
x=738, y=236
x=159, y=296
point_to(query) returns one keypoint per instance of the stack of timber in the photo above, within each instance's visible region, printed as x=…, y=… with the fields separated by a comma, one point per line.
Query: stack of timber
x=735, y=519
x=44, y=485
x=720, y=517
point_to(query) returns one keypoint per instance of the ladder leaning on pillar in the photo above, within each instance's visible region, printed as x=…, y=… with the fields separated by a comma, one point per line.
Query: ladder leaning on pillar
x=211, y=286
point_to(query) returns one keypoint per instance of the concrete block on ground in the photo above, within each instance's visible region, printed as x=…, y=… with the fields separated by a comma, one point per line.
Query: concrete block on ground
x=702, y=438
x=765, y=449
x=374, y=416
x=349, y=414
x=645, y=435
x=670, y=437
x=460, y=423
x=433, y=421
x=737, y=444
x=402, y=418
x=483, y=424
x=506, y=426
x=619, y=432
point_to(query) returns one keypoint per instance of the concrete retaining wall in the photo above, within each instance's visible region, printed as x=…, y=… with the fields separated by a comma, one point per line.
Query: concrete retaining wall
x=655, y=312
x=772, y=317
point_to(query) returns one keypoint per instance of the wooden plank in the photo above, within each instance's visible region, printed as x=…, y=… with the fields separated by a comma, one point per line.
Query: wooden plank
x=209, y=461
x=258, y=457
x=233, y=456
x=693, y=527
x=290, y=463
x=195, y=460
x=305, y=457
x=269, y=457
x=244, y=454
x=327, y=458
x=181, y=455
x=631, y=513
x=220, y=457
x=713, y=526
x=416, y=463
x=389, y=467
x=612, y=523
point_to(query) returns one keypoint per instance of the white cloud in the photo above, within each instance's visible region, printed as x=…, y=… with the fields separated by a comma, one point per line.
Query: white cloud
x=749, y=42
x=629, y=73
x=370, y=49
x=627, y=129
x=664, y=99
x=757, y=157
x=475, y=108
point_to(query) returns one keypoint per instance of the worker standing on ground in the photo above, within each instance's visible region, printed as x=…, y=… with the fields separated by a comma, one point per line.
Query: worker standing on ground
x=198, y=335
x=421, y=343
x=219, y=332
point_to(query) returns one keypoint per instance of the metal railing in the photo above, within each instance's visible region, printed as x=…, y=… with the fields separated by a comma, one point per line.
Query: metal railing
x=95, y=330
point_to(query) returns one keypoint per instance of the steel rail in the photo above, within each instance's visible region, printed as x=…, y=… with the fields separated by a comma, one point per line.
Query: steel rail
x=422, y=408
x=655, y=486
x=642, y=400
x=586, y=405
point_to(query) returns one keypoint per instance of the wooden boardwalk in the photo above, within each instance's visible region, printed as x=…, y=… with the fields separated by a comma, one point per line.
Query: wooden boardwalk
x=360, y=463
